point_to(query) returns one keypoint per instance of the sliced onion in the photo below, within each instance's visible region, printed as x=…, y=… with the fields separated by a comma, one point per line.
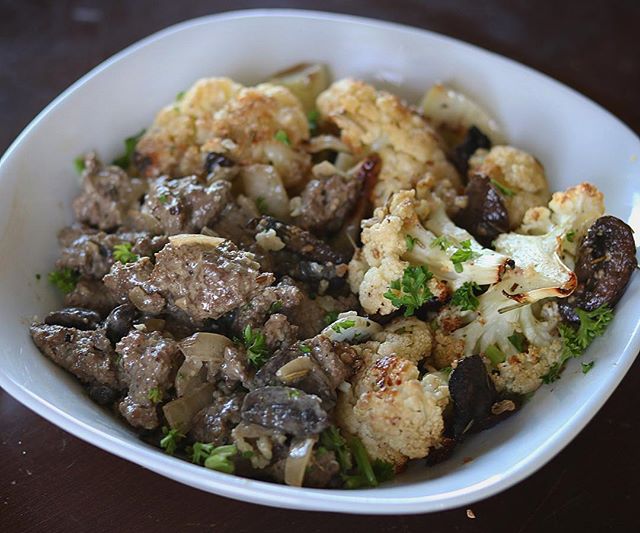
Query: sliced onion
x=179, y=413
x=326, y=142
x=452, y=114
x=300, y=453
x=186, y=239
x=199, y=349
x=305, y=80
x=263, y=184
x=294, y=369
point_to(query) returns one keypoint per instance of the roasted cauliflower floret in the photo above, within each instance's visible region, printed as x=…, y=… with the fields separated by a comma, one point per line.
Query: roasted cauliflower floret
x=516, y=171
x=395, y=239
x=377, y=121
x=248, y=125
x=408, y=338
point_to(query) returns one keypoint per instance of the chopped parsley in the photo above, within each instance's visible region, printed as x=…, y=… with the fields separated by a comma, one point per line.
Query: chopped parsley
x=172, y=438
x=441, y=242
x=519, y=341
x=218, y=458
x=313, y=117
x=122, y=252
x=411, y=291
x=65, y=279
x=503, y=189
x=495, y=355
x=575, y=341
x=411, y=242
x=587, y=366
x=254, y=342
x=78, y=164
x=282, y=136
x=155, y=395
x=305, y=349
x=124, y=161
x=463, y=254
x=275, y=307
x=163, y=198
x=38, y=277
x=330, y=317
x=465, y=297
x=343, y=325
x=261, y=205
x=180, y=96
x=332, y=440
x=570, y=235
x=295, y=393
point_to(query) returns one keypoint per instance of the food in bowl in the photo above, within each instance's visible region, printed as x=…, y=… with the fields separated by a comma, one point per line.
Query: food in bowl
x=313, y=282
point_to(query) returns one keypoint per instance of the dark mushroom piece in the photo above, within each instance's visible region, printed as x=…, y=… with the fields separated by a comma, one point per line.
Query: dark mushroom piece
x=485, y=215
x=605, y=261
x=103, y=394
x=119, y=322
x=462, y=153
x=74, y=317
x=473, y=394
x=285, y=409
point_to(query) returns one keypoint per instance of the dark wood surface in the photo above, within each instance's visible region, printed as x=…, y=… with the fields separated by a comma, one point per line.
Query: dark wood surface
x=51, y=481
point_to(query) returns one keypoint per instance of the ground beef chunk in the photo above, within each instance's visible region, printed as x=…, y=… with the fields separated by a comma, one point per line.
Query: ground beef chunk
x=214, y=423
x=91, y=294
x=90, y=252
x=325, y=203
x=130, y=282
x=149, y=362
x=235, y=368
x=108, y=195
x=234, y=223
x=279, y=332
x=283, y=297
x=88, y=355
x=185, y=205
x=207, y=279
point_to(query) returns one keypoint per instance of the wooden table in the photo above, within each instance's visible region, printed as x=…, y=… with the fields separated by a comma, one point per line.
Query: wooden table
x=51, y=481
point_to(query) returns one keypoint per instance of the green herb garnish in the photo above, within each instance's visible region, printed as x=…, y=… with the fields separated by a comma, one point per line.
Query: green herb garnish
x=305, y=349
x=575, y=341
x=343, y=325
x=570, y=235
x=180, y=96
x=218, y=458
x=330, y=317
x=587, y=366
x=463, y=254
x=155, y=395
x=79, y=164
x=441, y=242
x=275, y=307
x=282, y=136
x=163, y=198
x=122, y=252
x=411, y=291
x=313, y=117
x=65, y=279
x=495, y=355
x=519, y=341
x=465, y=297
x=124, y=161
x=254, y=342
x=502, y=188
x=411, y=242
x=261, y=205
x=332, y=440
x=172, y=438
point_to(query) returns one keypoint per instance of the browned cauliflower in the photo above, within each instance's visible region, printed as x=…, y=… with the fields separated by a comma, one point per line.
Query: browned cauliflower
x=396, y=415
x=377, y=121
x=514, y=171
x=249, y=125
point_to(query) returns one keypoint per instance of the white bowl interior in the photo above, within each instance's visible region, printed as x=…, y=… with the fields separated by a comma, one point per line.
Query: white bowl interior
x=575, y=139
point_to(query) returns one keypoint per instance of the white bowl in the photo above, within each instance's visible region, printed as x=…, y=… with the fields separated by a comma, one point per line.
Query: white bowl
x=573, y=137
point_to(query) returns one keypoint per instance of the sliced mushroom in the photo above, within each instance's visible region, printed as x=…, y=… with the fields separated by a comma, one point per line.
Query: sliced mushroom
x=485, y=215
x=462, y=153
x=473, y=394
x=119, y=322
x=74, y=317
x=299, y=457
x=606, y=259
x=285, y=409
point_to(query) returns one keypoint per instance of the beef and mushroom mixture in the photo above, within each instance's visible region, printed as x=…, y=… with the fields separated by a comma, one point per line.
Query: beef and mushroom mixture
x=314, y=283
